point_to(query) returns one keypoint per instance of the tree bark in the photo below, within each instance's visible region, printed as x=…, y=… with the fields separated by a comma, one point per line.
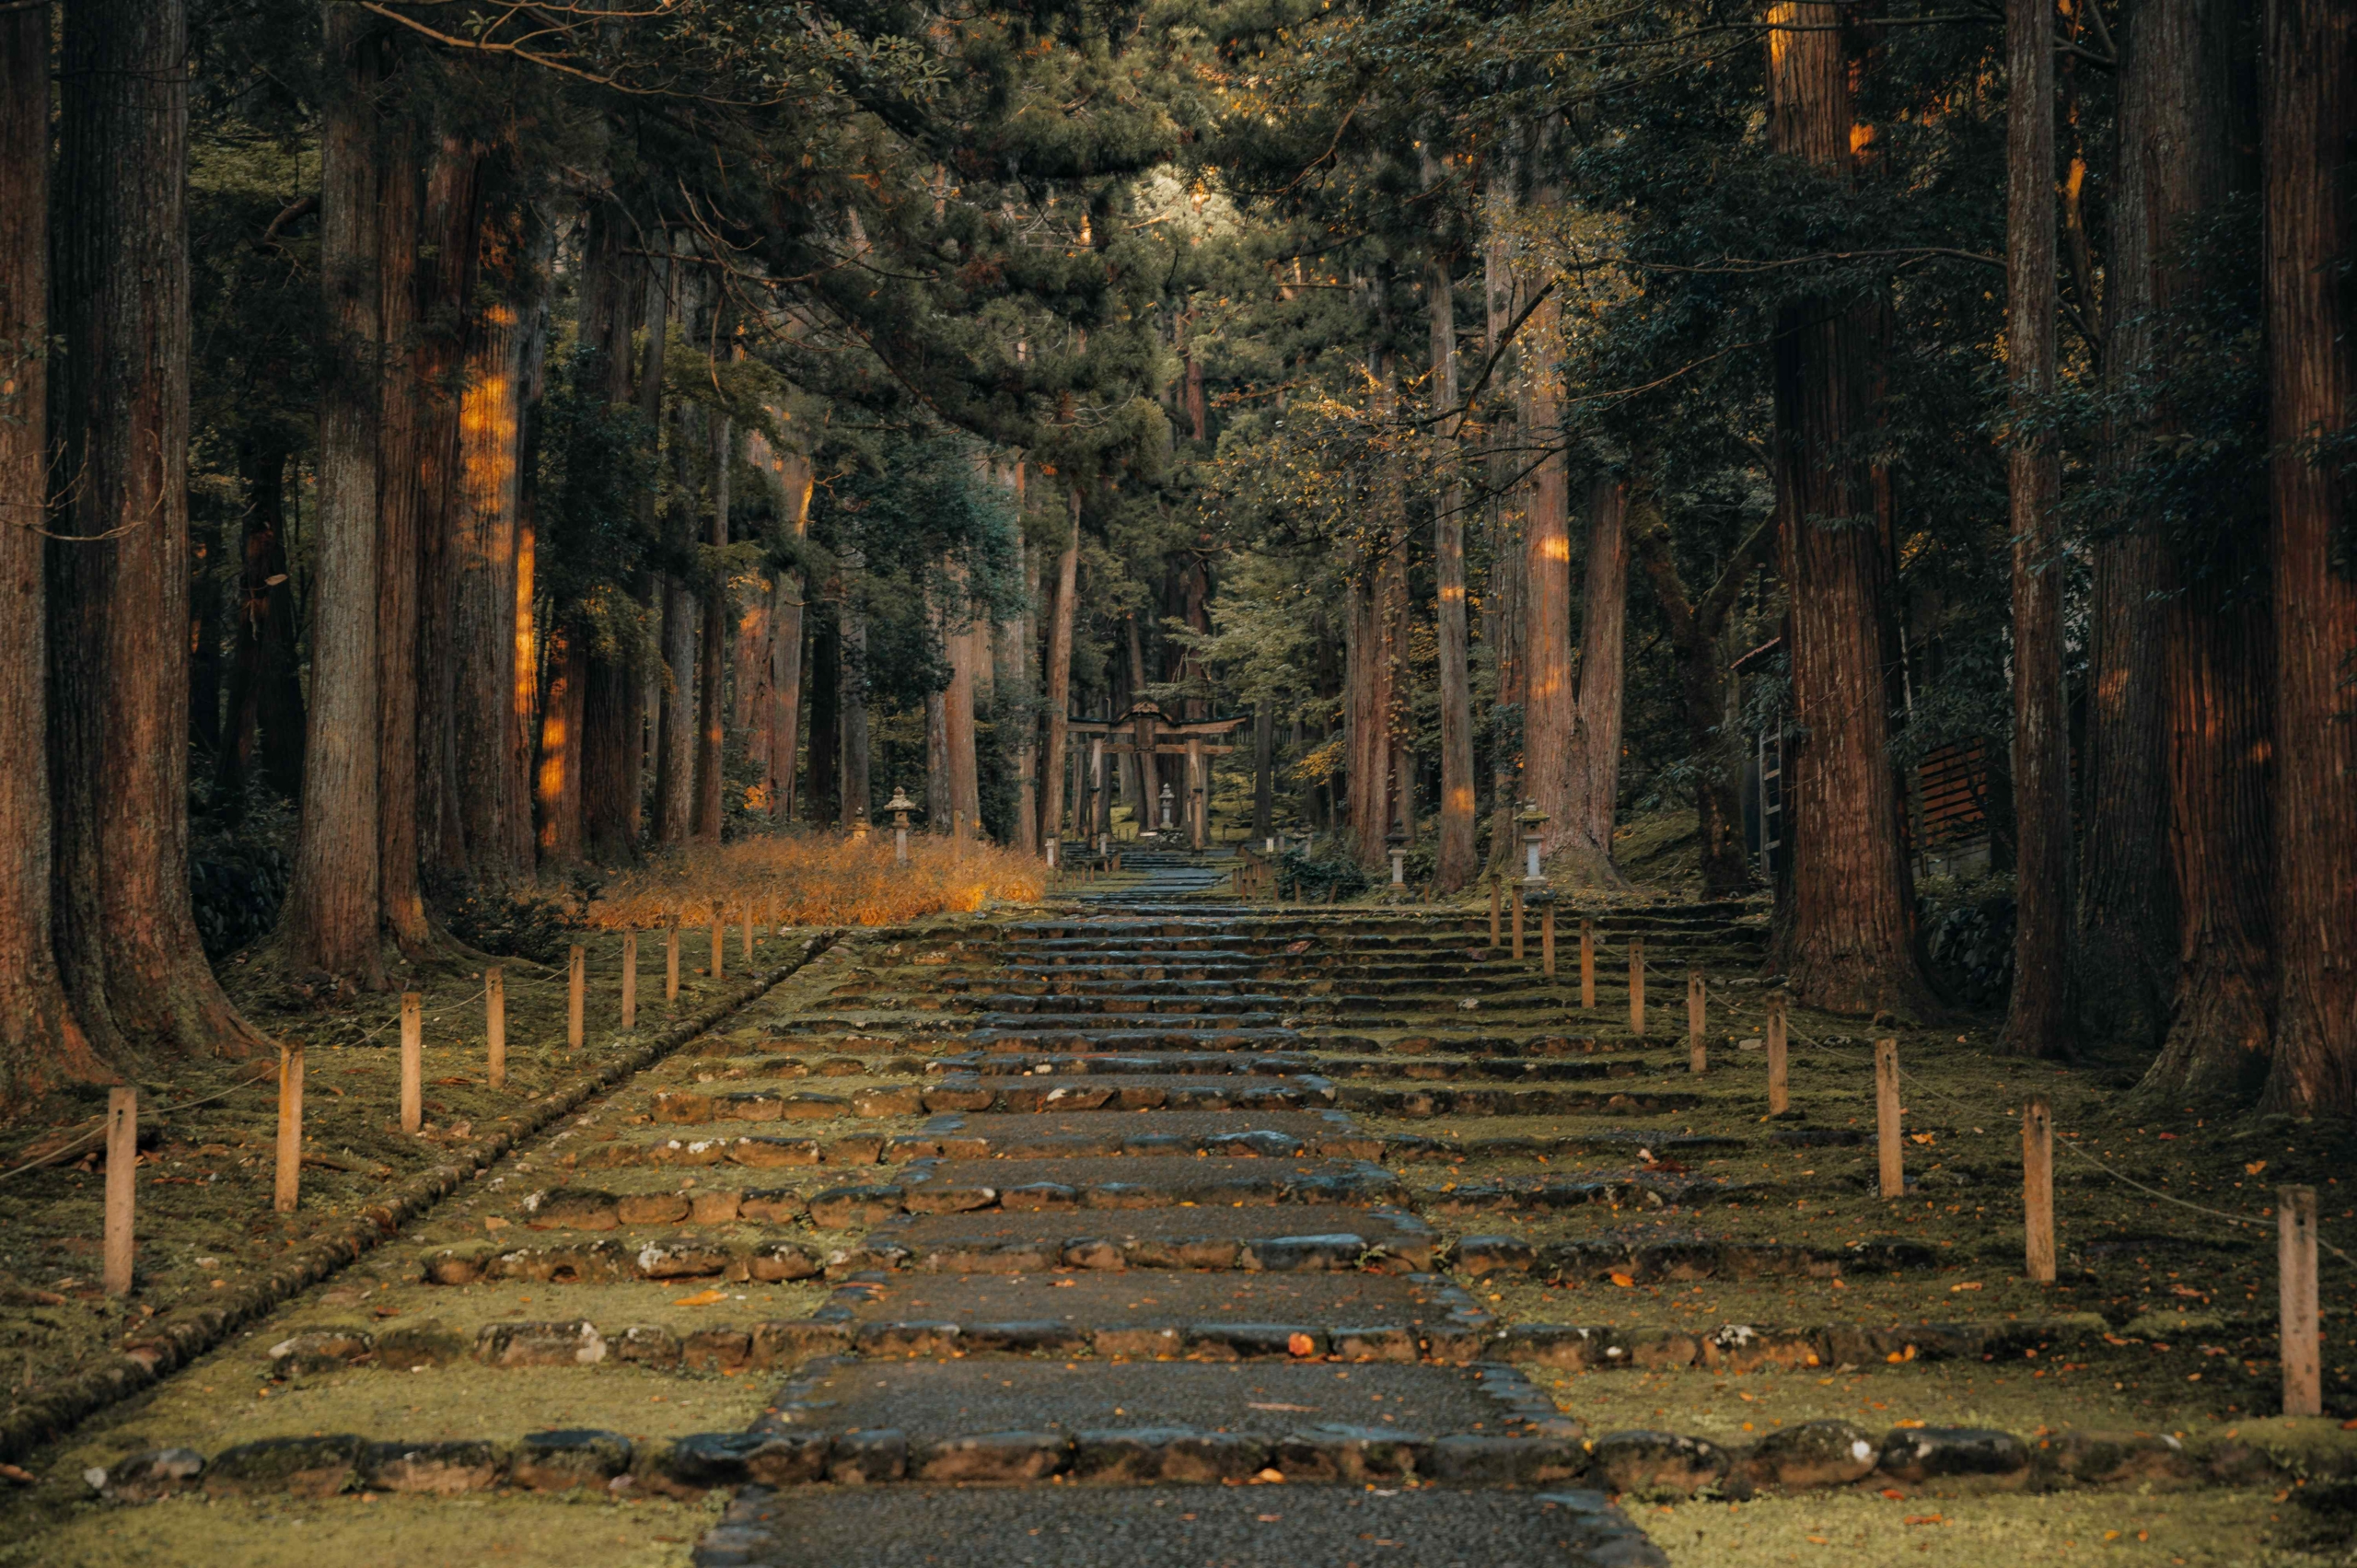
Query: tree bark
x=448, y=270
x=1057, y=681
x=1594, y=759
x=123, y=931
x=400, y=498
x=1019, y=692
x=333, y=902
x=711, y=691
x=265, y=701
x=1502, y=607
x=1694, y=631
x=2310, y=95
x=674, y=728
x=966, y=657
x=614, y=292
x=1551, y=695
x=2217, y=640
x=42, y=1045
x=487, y=545
x=826, y=724
x=524, y=683
x=1366, y=710
x=557, y=787
x=1454, y=858
x=2037, y=1017
x=851, y=691
x=1850, y=946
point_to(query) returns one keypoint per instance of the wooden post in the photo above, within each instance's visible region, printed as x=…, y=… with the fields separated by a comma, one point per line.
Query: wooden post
x=1779, y=1100
x=719, y=941
x=1637, y=986
x=123, y=1189
x=1517, y=922
x=576, y=995
x=412, y=1063
x=630, y=980
x=1886, y=1138
x=2037, y=1189
x=1547, y=938
x=2295, y=1236
x=1698, y=1049
x=1587, y=964
x=1497, y=896
x=495, y=1011
x=671, y=962
x=290, y=1129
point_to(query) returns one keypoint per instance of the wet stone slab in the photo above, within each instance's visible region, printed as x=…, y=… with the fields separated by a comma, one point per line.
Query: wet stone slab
x=1124, y=1182
x=1101, y=1299
x=929, y=1400
x=1176, y=1528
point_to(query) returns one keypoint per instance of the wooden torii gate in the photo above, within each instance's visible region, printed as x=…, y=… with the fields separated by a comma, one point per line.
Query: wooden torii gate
x=1144, y=729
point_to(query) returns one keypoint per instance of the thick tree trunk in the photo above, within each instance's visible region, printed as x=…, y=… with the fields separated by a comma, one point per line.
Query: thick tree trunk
x=711, y=690
x=2217, y=639
x=673, y=730
x=961, y=763
x=780, y=725
x=400, y=499
x=826, y=725
x=524, y=689
x=448, y=270
x=1145, y=767
x=1594, y=760
x=1850, y=944
x=486, y=539
x=2310, y=92
x=2037, y=1019
x=614, y=294
x=1057, y=678
x=557, y=785
x=1454, y=862
x=1551, y=695
x=851, y=691
x=1366, y=707
x=1502, y=606
x=124, y=934
x=332, y=904
x=40, y=1043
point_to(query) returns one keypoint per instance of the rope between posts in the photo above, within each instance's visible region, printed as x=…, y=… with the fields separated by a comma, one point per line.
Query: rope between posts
x=58, y=1154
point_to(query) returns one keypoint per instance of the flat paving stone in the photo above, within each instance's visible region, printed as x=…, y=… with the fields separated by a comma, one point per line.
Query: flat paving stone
x=1149, y=1123
x=1094, y=1300
x=1258, y=1224
x=1218, y=1178
x=932, y=1399
x=1272, y=1527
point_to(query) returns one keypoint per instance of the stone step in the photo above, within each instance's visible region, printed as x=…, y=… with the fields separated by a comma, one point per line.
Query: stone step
x=1255, y=1240
x=1098, y=1021
x=1118, y=1040
x=1069, y=1092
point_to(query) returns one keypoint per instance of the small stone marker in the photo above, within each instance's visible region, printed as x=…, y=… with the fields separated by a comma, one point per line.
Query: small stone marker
x=2295, y=1236
x=290, y=1129
x=123, y=1191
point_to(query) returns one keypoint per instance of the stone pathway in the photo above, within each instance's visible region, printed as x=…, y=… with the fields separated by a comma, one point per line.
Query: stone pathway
x=1167, y=1230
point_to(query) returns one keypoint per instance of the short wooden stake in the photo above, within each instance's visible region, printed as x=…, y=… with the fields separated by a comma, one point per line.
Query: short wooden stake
x=1587, y=964
x=1497, y=896
x=719, y=942
x=1517, y=922
x=1698, y=1049
x=495, y=1009
x=1547, y=939
x=576, y=996
x=671, y=963
x=1779, y=1098
x=1637, y=986
x=2037, y=1189
x=1886, y=1134
x=2295, y=1236
x=290, y=1129
x=123, y=1189
x=412, y=1063
x=630, y=980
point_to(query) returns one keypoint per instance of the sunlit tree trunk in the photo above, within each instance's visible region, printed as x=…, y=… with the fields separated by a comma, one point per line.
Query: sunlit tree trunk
x=1551, y=695
x=332, y=904
x=1056, y=680
x=2037, y=1018
x=1595, y=761
x=117, y=591
x=2310, y=92
x=557, y=788
x=1502, y=606
x=851, y=689
x=40, y=1043
x=447, y=274
x=1454, y=862
x=1849, y=945
x=966, y=659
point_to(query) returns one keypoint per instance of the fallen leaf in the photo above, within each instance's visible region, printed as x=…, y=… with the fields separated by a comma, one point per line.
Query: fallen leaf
x=1623, y=1281
x=1966, y=1284
x=1894, y=1494
x=15, y=1473
x=1301, y=1345
x=701, y=1299
x=1938, y=1519
x=2252, y=1167
x=1250, y=1405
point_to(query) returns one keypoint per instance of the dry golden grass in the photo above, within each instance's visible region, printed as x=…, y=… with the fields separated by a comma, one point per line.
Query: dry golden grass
x=816, y=880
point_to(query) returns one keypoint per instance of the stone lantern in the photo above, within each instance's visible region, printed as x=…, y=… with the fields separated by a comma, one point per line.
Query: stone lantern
x=1532, y=820
x=1166, y=823
x=859, y=825
x=1397, y=839
x=900, y=806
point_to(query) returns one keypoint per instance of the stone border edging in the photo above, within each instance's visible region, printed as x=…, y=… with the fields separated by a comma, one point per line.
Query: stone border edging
x=55, y=1410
